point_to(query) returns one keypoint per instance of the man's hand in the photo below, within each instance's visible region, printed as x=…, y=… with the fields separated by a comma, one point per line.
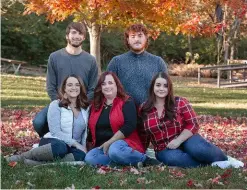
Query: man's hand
x=175, y=143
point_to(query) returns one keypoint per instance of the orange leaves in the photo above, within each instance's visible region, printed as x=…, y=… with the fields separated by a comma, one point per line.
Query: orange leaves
x=12, y=164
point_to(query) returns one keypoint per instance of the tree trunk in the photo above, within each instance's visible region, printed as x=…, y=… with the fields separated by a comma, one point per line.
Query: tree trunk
x=229, y=42
x=234, y=41
x=219, y=48
x=94, y=34
x=189, y=44
x=232, y=51
x=219, y=37
x=190, y=49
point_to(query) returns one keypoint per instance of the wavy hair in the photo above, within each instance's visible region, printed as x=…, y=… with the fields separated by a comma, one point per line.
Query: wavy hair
x=169, y=99
x=135, y=28
x=81, y=101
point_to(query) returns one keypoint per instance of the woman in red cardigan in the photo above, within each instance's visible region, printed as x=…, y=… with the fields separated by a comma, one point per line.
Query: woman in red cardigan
x=112, y=125
x=171, y=125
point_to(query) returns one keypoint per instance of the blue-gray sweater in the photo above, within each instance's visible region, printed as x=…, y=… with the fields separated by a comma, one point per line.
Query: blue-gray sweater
x=136, y=71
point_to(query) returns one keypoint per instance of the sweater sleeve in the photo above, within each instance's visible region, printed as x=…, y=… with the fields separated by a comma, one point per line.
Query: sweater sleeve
x=51, y=80
x=54, y=123
x=93, y=79
x=130, y=118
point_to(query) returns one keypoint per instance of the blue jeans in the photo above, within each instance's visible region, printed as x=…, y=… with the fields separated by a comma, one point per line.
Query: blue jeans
x=119, y=152
x=40, y=123
x=60, y=149
x=194, y=152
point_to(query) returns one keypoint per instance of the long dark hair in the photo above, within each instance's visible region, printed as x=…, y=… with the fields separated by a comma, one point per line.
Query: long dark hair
x=81, y=101
x=99, y=96
x=169, y=100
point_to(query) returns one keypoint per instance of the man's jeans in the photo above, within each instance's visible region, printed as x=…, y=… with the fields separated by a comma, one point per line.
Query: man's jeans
x=194, y=152
x=119, y=153
x=60, y=149
x=40, y=123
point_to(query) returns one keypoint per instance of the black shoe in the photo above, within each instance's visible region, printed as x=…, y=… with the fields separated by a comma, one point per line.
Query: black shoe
x=151, y=162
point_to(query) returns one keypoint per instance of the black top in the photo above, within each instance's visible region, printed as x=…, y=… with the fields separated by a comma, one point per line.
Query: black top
x=103, y=127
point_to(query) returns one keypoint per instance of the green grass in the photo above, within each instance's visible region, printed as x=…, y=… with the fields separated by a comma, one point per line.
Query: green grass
x=62, y=176
x=19, y=92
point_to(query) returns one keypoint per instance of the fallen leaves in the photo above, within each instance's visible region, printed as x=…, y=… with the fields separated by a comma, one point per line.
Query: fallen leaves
x=134, y=171
x=192, y=184
x=143, y=180
x=176, y=173
x=12, y=164
x=17, y=130
x=228, y=133
x=221, y=179
x=96, y=187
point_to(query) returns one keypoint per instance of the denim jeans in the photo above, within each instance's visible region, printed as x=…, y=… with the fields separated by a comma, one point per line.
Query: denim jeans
x=60, y=149
x=119, y=152
x=40, y=123
x=194, y=152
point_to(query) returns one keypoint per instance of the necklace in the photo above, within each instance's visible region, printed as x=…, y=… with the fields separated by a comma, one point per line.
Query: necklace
x=107, y=105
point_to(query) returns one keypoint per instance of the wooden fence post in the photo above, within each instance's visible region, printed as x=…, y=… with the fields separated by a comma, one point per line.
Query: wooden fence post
x=218, y=78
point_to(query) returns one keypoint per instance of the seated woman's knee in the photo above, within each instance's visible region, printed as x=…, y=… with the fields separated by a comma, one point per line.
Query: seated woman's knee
x=168, y=157
x=116, y=150
x=59, y=149
x=91, y=156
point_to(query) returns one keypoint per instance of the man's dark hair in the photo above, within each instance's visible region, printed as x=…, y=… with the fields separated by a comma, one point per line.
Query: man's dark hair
x=78, y=26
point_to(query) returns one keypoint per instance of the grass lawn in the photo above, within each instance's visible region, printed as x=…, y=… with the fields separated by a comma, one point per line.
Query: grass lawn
x=28, y=94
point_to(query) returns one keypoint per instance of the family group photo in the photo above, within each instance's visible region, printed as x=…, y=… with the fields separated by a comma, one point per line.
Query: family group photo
x=119, y=94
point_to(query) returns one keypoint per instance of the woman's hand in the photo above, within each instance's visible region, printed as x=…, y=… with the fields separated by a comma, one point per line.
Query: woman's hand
x=80, y=147
x=175, y=143
x=105, y=147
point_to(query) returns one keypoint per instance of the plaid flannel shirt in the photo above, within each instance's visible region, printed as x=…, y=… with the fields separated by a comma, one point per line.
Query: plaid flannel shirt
x=161, y=131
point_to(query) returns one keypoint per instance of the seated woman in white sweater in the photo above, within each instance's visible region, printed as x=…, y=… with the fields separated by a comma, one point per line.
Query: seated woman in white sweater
x=67, y=120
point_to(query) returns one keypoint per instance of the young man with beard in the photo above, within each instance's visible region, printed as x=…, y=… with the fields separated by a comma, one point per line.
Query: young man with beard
x=135, y=69
x=71, y=60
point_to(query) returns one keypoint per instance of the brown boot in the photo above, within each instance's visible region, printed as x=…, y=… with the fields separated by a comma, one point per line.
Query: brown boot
x=68, y=158
x=33, y=162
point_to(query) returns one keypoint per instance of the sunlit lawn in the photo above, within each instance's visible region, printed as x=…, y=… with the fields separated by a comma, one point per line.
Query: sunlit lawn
x=28, y=93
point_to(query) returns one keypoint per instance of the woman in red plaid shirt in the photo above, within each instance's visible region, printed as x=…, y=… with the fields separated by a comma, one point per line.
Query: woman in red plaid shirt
x=171, y=125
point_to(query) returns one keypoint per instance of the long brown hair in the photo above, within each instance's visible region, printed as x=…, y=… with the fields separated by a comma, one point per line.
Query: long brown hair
x=99, y=96
x=81, y=101
x=169, y=99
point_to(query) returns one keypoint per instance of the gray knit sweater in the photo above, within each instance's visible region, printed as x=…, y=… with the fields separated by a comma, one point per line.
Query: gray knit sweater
x=135, y=72
x=61, y=64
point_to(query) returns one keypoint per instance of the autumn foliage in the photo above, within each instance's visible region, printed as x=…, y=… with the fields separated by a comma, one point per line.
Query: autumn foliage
x=229, y=133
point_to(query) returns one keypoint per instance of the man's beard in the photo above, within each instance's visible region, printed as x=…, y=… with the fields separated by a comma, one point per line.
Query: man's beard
x=137, y=50
x=74, y=45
